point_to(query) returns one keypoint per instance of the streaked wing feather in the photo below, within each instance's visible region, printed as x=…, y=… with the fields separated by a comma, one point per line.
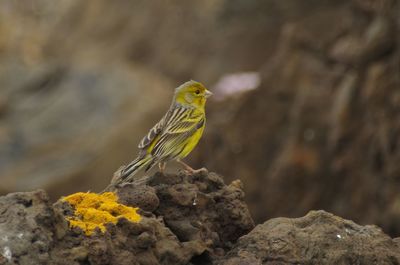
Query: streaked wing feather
x=152, y=134
x=178, y=128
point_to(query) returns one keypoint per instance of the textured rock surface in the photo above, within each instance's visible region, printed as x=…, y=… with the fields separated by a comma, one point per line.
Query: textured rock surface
x=27, y=228
x=210, y=228
x=176, y=229
x=317, y=238
x=199, y=209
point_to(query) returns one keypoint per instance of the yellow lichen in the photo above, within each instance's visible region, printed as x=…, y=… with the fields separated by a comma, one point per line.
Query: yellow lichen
x=94, y=210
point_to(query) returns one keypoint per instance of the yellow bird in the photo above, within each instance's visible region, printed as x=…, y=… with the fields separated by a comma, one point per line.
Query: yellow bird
x=175, y=135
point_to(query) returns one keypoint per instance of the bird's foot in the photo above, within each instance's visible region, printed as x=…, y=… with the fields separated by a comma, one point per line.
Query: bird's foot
x=192, y=171
x=189, y=170
x=161, y=166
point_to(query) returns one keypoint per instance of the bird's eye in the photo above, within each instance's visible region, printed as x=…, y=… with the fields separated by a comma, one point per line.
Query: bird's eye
x=197, y=92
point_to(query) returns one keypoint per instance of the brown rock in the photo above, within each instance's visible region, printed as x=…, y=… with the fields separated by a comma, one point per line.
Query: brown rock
x=197, y=208
x=35, y=232
x=27, y=228
x=142, y=196
x=317, y=238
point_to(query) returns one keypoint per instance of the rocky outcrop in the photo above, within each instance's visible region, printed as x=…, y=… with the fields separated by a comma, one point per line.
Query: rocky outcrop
x=197, y=208
x=185, y=218
x=317, y=238
x=28, y=227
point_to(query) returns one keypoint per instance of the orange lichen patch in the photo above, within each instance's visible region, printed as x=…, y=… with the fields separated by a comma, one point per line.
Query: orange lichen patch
x=94, y=210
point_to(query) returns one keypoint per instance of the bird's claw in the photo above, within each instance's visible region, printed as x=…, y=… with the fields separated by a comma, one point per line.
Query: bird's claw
x=191, y=171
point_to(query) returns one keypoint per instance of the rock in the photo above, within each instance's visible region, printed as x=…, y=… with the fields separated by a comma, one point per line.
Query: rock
x=126, y=242
x=32, y=231
x=27, y=228
x=199, y=209
x=142, y=196
x=317, y=238
x=208, y=210
x=217, y=232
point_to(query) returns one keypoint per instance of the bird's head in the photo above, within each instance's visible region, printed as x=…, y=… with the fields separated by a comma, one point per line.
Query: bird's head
x=192, y=93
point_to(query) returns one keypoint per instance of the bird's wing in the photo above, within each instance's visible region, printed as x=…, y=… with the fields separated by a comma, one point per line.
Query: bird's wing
x=180, y=125
x=172, y=117
x=153, y=133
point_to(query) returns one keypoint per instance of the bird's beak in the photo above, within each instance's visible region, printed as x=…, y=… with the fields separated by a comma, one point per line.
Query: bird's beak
x=208, y=94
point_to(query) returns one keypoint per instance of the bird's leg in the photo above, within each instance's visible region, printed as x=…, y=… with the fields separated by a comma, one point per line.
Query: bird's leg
x=186, y=166
x=161, y=166
x=189, y=169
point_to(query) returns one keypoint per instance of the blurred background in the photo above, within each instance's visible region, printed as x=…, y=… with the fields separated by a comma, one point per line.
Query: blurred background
x=306, y=111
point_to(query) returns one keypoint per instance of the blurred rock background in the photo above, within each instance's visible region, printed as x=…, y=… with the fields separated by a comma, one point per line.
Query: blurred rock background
x=318, y=126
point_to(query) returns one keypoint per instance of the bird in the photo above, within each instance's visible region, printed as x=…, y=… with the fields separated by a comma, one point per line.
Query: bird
x=175, y=135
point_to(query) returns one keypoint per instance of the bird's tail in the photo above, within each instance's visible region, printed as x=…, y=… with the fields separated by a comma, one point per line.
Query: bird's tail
x=133, y=167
